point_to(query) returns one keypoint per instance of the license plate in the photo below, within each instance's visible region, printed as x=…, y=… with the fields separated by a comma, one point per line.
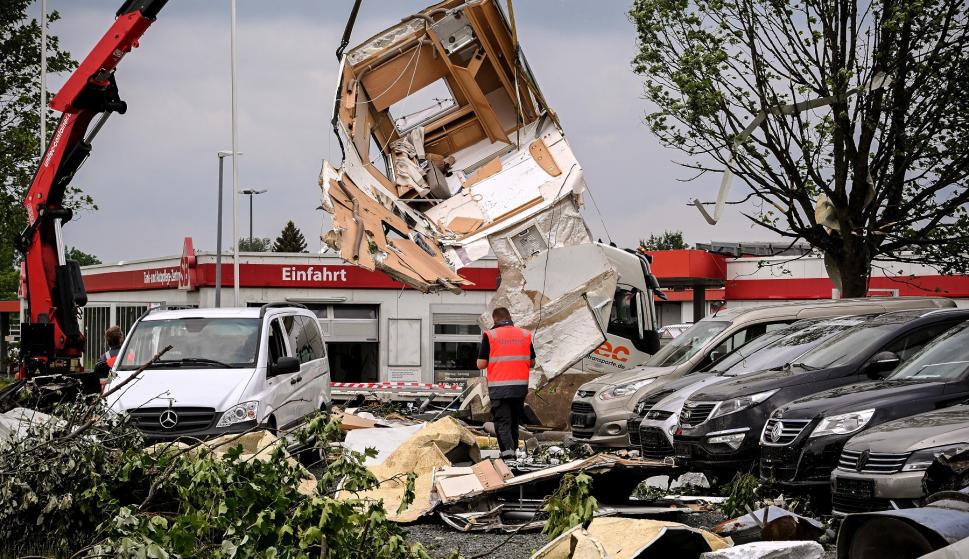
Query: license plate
x=862, y=488
x=773, y=454
x=581, y=420
x=683, y=451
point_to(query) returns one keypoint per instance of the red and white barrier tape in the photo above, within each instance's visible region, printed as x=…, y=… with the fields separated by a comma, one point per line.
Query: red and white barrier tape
x=386, y=385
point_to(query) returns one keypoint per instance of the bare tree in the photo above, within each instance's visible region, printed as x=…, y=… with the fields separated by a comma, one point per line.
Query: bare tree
x=863, y=150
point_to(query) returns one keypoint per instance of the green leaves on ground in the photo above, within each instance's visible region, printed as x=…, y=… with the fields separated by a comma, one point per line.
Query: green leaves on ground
x=570, y=505
x=101, y=494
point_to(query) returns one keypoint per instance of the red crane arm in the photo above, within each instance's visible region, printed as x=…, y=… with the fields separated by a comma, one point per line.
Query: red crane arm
x=53, y=288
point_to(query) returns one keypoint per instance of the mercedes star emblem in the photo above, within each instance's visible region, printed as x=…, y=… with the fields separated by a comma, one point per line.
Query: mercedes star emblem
x=168, y=419
x=777, y=431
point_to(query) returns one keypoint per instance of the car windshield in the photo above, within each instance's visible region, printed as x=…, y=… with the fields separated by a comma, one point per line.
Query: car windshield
x=684, y=346
x=196, y=343
x=849, y=344
x=776, y=349
x=942, y=359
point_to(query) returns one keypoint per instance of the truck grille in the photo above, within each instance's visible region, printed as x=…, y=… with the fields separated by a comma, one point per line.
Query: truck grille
x=582, y=407
x=148, y=420
x=632, y=427
x=583, y=416
x=695, y=413
x=780, y=432
x=871, y=462
x=845, y=504
x=654, y=443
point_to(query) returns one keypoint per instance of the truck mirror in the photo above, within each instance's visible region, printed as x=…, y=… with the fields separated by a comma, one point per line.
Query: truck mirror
x=650, y=343
x=653, y=282
x=284, y=366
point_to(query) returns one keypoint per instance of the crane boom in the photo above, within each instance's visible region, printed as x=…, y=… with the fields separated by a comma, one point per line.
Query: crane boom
x=51, y=336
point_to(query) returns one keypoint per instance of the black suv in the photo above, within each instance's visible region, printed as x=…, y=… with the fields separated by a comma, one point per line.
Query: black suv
x=720, y=426
x=802, y=441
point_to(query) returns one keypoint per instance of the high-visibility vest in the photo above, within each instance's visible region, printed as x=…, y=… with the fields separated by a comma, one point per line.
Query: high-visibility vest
x=110, y=358
x=510, y=355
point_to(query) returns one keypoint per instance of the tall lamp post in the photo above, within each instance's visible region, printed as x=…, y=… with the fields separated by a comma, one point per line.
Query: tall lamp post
x=218, y=235
x=250, y=192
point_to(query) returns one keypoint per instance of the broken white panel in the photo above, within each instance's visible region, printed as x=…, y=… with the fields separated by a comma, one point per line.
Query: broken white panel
x=15, y=424
x=383, y=440
x=547, y=292
x=769, y=550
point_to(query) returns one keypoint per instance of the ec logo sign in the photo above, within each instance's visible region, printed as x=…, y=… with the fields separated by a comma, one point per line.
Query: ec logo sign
x=618, y=353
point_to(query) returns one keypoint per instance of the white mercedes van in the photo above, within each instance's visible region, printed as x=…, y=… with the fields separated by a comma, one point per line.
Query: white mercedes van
x=228, y=371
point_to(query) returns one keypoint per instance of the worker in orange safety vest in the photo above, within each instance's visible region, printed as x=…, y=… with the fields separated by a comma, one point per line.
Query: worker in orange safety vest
x=508, y=354
x=114, y=337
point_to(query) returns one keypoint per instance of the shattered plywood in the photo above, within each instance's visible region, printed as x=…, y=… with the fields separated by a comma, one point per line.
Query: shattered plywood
x=450, y=152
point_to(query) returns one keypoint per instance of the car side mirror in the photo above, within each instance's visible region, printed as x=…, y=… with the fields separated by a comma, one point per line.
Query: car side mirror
x=284, y=366
x=881, y=363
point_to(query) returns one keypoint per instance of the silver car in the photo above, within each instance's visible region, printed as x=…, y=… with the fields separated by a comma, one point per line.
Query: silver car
x=882, y=468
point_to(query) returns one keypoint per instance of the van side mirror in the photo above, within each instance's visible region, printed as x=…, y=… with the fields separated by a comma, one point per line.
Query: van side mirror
x=284, y=366
x=650, y=342
x=881, y=363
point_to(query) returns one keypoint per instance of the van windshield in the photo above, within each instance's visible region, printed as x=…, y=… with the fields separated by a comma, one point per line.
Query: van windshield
x=687, y=344
x=196, y=343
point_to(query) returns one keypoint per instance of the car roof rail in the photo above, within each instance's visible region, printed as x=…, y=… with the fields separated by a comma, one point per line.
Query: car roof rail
x=279, y=305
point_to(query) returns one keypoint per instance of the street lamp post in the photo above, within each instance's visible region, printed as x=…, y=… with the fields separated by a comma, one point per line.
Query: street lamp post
x=250, y=192
x=218, y=236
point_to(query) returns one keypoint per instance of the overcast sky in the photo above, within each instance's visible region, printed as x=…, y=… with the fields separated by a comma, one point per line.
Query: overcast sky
x=154, y=170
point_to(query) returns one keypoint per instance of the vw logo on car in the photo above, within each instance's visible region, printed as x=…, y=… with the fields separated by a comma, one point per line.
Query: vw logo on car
x=168, y=419
x=777, y=431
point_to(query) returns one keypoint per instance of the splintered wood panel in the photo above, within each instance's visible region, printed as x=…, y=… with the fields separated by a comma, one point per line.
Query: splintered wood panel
x=486, y=115
x=490, y=28
x=391, y=81
x=490, y=168
x=541, y=155
x=455, y=137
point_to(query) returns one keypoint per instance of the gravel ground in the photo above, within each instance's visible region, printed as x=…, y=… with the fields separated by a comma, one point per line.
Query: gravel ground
x=441, y=541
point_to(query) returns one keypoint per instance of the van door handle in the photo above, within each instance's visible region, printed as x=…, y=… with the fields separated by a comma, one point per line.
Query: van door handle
x=295, y=380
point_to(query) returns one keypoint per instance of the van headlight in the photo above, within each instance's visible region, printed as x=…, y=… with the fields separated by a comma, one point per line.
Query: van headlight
x=922, y=459
x=623, y=390
x=737, y=404
x=246, y=411
x=843, y=424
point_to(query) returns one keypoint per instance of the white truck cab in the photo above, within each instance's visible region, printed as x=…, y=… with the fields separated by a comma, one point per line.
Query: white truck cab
x=629, y=319
x=228, y=371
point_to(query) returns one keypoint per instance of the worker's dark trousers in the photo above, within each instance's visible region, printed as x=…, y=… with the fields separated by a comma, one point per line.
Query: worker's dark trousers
x=507, y=413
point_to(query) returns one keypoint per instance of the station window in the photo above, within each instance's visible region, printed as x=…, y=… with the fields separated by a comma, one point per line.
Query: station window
x=457, y=338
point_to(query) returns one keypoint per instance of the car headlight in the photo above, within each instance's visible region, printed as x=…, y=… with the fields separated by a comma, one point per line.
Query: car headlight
x=246, y=411
x=623, y=390
x=733, y=440
x=922, y=459
x=736, y=404
x=843, y=424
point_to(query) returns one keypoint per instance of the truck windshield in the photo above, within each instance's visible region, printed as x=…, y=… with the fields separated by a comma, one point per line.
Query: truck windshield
x=779, y=348
x=196, y=343
x=942, y=359
x=687, y=344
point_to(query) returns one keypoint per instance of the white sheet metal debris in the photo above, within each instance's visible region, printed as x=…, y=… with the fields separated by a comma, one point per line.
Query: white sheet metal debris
x=769, y=550
x=451, y=152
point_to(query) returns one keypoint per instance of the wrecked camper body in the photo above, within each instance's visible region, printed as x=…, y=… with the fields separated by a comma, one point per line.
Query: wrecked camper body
x=451, y=152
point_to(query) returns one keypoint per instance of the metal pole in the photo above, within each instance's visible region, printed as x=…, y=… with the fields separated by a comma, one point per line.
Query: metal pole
x=250, y=219
x=218, y=242
x=43, y=77
x=235, y=163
